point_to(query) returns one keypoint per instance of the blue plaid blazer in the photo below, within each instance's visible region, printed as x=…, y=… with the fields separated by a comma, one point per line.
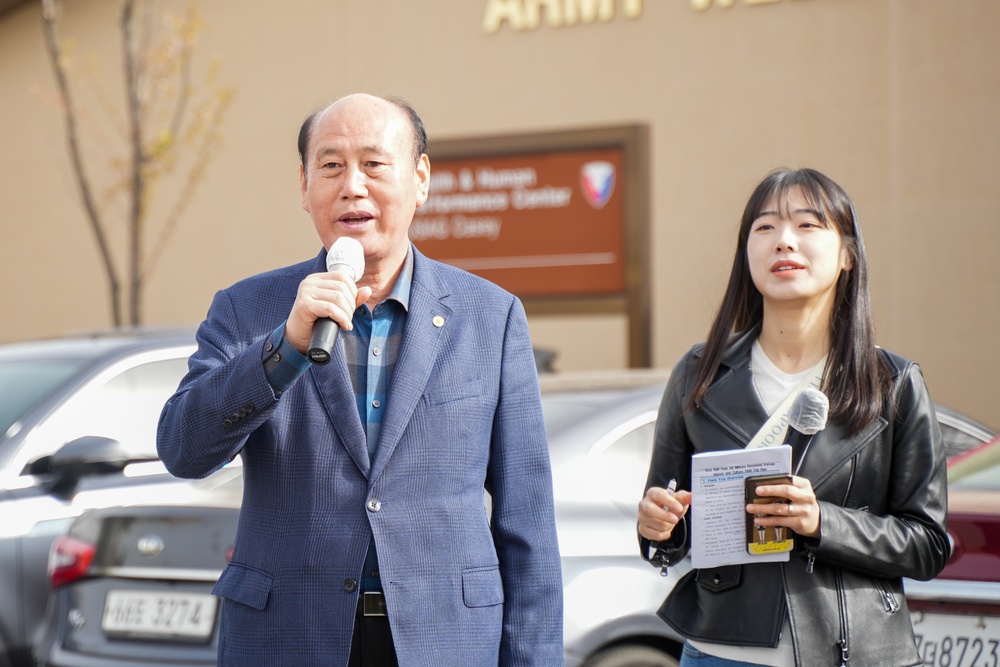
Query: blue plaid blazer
x=463, y=414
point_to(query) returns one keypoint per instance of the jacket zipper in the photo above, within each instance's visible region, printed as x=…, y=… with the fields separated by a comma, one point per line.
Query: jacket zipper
x=811, y=558
x=850, y=480
x=891, y=606
x=845, y=655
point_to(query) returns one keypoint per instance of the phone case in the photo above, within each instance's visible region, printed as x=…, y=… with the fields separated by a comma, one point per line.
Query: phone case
x=765, y=539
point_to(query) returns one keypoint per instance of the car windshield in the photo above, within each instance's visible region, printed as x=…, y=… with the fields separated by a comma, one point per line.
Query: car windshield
x=23, y=383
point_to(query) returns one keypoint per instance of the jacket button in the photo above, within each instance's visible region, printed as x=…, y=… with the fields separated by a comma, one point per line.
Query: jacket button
x=350, y=585
x=374, y=505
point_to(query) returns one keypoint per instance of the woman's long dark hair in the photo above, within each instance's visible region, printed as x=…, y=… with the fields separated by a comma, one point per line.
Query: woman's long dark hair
x=856, y=381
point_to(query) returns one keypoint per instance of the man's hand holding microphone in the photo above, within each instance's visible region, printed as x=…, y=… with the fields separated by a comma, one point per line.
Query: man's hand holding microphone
x=325, y=302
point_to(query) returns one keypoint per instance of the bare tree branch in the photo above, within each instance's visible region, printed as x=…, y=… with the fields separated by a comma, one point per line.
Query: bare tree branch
x=93, y=217
x=136, y=214
x=156, y=125
x=183, y=89
x=208, y=142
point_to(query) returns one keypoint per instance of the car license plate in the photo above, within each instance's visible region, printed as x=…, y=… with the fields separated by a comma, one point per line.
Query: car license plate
x=185, y=616
x=957, y=640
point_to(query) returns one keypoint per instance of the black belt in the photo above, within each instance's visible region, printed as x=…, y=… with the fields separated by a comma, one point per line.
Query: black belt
x=372, y=603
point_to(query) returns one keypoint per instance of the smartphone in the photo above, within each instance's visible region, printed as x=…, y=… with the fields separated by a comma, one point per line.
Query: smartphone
x=765, y=539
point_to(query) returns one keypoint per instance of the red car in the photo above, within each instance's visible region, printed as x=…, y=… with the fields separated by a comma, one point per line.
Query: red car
x=956, y=616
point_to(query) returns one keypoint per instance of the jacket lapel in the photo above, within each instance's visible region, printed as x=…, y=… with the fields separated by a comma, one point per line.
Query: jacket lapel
x=334, y=385
x=337, y=395
x=831, y=448
x=426, y=320
x=732, y=402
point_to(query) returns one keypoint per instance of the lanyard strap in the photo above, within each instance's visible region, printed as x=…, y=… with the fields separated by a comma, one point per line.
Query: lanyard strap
x=773, y=431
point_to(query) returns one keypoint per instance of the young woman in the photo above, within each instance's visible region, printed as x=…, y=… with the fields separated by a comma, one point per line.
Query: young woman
x=868, y=504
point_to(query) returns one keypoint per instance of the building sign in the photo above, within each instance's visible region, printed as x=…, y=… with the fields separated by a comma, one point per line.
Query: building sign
x=702, y=5
x=561, y=219
x=527, y=14
x=548, y=224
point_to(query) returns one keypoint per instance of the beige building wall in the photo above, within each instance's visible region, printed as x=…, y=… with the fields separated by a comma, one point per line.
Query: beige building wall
x=896, y=99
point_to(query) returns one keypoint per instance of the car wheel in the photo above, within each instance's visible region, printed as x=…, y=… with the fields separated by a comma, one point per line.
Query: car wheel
x=631, y=656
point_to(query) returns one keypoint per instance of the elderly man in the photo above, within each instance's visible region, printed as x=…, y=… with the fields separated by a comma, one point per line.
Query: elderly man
x=363, y=536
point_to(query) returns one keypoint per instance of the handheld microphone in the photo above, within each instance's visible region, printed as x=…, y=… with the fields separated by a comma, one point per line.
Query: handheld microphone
x=346, y=254
x=806, y=418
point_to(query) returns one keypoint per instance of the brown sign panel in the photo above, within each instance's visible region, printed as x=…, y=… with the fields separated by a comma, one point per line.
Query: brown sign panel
x=546, y=224
x=561, y=219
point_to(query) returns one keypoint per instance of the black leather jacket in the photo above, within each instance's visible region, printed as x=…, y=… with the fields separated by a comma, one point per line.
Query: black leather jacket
x=883, y=506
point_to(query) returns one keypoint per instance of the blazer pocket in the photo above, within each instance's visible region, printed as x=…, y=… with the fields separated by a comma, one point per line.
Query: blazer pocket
x=482, y=587
x=244, y=584
x=455, y=392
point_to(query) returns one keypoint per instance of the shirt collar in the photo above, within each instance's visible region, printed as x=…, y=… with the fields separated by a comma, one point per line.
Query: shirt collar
x=401, y=290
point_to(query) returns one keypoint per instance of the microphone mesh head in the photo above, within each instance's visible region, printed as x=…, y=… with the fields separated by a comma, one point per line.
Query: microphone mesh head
x=347, y=251
x=809, y=411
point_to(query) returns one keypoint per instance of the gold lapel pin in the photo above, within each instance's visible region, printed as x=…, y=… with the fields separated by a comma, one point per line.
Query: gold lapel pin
x=438, y=321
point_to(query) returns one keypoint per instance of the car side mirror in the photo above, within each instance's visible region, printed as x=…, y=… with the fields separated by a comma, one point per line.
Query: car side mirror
x=88, y=456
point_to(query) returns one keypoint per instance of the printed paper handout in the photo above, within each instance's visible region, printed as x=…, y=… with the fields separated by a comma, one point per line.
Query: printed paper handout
x=718, y=504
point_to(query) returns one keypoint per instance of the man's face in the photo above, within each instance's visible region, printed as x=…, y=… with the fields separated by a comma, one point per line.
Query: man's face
x=361, y=180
